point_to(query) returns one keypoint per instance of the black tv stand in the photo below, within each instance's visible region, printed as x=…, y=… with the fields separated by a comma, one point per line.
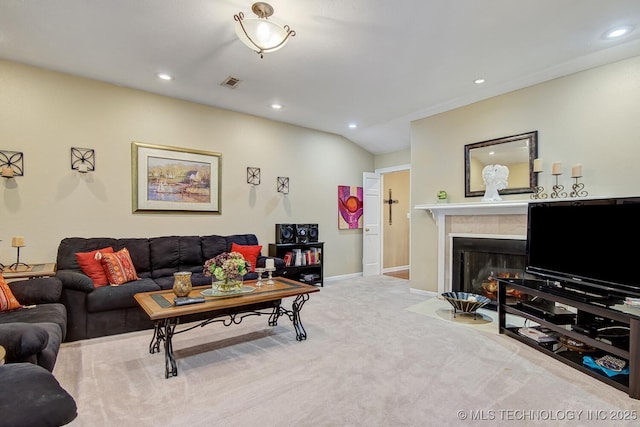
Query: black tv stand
x=589, y=309
x=573, y=294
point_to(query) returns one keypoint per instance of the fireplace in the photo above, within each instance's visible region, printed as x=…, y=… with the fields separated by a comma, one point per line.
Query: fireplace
x=477, y=262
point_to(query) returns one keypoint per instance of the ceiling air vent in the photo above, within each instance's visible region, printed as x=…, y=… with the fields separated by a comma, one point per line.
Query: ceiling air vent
x=231, y=82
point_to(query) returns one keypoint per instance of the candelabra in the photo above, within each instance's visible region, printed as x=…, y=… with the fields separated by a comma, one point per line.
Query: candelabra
x=260, y=271
x=558, y=189
x=538, y=190
x=270, y=270
x=578, y=188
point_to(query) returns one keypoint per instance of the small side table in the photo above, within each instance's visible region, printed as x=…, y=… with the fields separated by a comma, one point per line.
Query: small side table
x=34, y=270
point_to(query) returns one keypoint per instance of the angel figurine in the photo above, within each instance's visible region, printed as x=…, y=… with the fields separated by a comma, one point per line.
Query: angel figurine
x=495, y=178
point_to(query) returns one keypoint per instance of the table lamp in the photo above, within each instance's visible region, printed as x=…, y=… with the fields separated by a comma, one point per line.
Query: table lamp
x=17, y=242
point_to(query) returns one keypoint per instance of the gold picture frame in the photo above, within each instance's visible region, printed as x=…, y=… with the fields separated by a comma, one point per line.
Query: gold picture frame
x=174, y=179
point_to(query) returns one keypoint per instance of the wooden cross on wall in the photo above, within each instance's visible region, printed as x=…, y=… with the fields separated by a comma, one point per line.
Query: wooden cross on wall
x=390, y=202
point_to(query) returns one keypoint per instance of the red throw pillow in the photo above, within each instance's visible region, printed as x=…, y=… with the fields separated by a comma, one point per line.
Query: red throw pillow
x=250, y=253
x=7, y=300
x=90, y=265
x=118, y=267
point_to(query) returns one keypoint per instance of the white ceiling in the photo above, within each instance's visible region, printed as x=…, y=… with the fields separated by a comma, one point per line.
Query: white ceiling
x=377, y=63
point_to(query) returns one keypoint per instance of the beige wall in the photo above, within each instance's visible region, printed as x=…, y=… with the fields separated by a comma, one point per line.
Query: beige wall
x=396, y=158
x=396, y=235
x=589, y=117
x=44, y=114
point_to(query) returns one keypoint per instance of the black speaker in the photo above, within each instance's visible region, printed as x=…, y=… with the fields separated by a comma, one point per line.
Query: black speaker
x=313, y=232
x=302, y=233
x=285, y=233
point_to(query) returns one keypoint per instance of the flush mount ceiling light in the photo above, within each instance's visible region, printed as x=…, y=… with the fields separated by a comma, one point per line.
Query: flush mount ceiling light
x=260, y=34
x=618, y=32
x=164, y=76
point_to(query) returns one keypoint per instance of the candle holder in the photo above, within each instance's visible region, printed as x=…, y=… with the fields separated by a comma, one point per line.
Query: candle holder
x=558, y=190
x=260, y=271
x=578, y=188
x=270, y=270
x=538, y=190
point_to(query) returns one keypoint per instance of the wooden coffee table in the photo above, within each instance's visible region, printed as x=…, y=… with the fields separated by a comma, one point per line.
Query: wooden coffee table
x=226, y=309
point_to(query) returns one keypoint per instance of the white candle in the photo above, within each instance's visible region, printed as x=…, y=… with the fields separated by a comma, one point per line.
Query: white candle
x=556, y=168
x=17, y=242
x=576, y=171
x=537, y=165
x=269, y=263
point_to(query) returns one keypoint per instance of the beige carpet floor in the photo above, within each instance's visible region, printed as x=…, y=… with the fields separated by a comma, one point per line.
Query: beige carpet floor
x=368, y=361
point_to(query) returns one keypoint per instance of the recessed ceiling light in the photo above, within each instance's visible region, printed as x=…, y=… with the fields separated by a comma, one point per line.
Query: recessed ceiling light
x=352, y=126
x=164, y=76
x=276, y=106
x=618, y=32
x=478, y=81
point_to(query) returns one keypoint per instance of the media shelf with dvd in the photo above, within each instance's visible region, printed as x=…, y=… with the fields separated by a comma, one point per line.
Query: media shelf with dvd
x=586, y=335
x=303, y=261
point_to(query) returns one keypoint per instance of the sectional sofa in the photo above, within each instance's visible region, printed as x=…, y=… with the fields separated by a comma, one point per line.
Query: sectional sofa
x=94, y=311
x=31, y=335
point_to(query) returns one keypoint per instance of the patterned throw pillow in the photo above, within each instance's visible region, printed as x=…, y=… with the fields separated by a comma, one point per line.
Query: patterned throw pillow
x=90, y=265
x=249, y=252
x=7, y=300
x=118, y=267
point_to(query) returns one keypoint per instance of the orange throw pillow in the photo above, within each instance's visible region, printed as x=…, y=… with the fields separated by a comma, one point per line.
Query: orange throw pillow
x=118, y=267
x=91, y=266
x=250, y=253
x=7, y=300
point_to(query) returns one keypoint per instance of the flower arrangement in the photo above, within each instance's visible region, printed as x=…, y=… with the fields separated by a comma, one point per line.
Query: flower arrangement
x=226, y=266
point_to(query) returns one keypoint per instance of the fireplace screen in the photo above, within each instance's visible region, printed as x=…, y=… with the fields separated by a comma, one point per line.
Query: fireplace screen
x=478, y=262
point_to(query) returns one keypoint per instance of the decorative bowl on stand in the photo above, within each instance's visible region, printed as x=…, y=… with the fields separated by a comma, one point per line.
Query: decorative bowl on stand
x=465, y=302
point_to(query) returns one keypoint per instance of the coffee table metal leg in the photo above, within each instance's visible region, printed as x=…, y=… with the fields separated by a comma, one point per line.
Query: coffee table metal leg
x=274, y=316
x=158, y=336
x=301, y=334
x=170, y=367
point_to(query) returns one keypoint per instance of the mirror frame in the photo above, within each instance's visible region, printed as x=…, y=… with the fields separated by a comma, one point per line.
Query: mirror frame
x=533, y=154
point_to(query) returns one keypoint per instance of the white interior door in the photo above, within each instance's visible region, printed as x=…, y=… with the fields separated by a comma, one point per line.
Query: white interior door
x=371, y=241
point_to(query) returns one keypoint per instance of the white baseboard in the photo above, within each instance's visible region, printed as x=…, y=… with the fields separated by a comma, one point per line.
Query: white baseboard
x=423, y=292
x=342, y=277
x=394, y=269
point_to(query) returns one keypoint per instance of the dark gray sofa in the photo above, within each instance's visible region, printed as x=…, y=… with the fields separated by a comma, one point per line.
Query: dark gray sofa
x=108, y=310
x=29, y=393
x=34, y=334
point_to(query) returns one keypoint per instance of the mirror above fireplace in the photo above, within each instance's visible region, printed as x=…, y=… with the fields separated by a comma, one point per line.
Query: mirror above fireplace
x=517, y=152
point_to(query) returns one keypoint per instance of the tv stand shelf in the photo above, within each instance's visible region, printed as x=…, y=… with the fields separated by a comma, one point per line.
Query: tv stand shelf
x=630, y=384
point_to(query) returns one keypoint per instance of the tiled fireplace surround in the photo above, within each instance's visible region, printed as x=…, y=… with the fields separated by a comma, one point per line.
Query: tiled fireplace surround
x=504, y=220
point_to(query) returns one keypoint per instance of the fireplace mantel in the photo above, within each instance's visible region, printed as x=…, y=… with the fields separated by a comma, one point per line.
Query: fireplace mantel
x=513, y=207
x=440, y=212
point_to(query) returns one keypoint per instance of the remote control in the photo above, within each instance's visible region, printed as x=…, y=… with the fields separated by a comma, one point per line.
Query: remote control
x=187, y=300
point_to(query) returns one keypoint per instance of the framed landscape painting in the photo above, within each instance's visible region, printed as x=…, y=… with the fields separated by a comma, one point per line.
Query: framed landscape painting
x=173, y=179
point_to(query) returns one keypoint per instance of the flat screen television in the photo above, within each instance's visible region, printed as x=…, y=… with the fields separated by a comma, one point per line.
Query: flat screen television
x=590, y=245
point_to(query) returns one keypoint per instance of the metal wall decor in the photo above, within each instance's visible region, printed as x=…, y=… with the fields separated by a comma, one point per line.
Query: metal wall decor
x=253, y=176
x=283, y=184
x=11, y=163
x=83, y=160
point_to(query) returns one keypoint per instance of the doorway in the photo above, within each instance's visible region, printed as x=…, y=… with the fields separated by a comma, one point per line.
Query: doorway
x=396, y=222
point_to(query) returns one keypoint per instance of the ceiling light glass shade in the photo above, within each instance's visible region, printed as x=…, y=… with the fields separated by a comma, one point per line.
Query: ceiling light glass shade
x=260, y=34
